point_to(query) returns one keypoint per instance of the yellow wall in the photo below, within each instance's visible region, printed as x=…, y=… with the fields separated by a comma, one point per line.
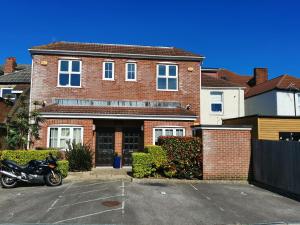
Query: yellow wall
x=269, y=128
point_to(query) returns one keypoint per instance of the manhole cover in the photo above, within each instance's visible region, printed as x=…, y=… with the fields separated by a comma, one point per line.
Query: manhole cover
x=111, y=203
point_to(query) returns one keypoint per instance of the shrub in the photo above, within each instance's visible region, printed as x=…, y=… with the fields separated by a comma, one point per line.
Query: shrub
x=80, y=157
x=22, y=157
x=63, y=167
x=158, y=155
x=184, y=156
x=142, y=165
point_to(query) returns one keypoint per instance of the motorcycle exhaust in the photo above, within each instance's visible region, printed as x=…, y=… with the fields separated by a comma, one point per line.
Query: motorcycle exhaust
x=12, y=175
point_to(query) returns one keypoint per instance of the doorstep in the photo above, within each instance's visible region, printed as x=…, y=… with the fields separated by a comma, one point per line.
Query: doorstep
x=101, y=173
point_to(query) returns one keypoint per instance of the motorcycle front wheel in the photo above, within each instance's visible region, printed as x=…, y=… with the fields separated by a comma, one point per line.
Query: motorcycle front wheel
x=8, y=182
x=53, y=179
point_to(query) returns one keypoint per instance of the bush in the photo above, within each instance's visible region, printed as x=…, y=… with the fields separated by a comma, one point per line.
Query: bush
x=142, y=165
x=80, y=157
x=158, y=155
x=63, y=167
x=184, y=156
x=22, y=157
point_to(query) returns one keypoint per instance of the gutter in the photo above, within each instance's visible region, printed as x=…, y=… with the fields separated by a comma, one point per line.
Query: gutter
x=118, y=55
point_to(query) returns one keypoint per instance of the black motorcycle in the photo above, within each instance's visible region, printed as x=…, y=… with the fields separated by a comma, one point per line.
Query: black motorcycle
x=34, y=172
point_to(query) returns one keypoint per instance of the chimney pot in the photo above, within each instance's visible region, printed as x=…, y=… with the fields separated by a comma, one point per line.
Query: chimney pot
x=10, y=65
x=260, y=75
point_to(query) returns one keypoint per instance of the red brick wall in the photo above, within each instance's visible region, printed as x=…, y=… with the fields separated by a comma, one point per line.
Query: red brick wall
x=149, y=125
x=226, y=154
x=44, y=82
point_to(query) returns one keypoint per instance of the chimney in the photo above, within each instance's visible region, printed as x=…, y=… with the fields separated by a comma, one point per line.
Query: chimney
x=260, y=75
x=10, y=65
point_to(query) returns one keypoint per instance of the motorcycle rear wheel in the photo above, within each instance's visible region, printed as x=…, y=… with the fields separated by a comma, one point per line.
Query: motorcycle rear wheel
x=53, y=179
x=8, y=182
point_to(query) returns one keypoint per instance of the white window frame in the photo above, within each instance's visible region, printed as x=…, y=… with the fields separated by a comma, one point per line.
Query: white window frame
x=8, y=88
x=215, y=102
x=69, y=72
x=298, y=104
x=59, y=127
x=164, y=131
x=112, y=68
x=167, y=76
x=135, y=71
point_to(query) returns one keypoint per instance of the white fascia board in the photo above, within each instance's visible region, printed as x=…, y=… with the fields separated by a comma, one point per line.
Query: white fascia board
x=117, y=116
x=223, y=87
x=222, y=128
x=108, y=54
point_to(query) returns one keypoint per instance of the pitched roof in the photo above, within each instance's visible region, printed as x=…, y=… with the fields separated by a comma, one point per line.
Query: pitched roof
x=283, y=82
x=17, y=77
x=227, y=75
x=93, y=110
x=209, y=81
x=116, y=49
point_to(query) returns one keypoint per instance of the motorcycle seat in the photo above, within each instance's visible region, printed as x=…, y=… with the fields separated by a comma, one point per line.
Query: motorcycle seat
x=13, y=163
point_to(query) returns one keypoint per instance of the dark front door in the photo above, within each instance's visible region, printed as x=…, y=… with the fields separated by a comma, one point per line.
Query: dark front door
x=132, y=142
x=105, y=147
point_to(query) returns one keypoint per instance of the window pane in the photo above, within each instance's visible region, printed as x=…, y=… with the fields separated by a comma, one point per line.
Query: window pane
x=169, y=132
x=64, y=143
x=162, y=84
x=6, y=93
x=75, y=66
x=75, y=79
x=64, y=66
x=77, y=135
x=172, y=83
x=172, y=70
x=158, y=133
x=65, y=132
x=53, y=138
x=216, y=96
x=162, y=70
x=130, y=76
x=108, y=74
x=179, y=132
x=215, y=107
x=108, y=66
x=63, y=79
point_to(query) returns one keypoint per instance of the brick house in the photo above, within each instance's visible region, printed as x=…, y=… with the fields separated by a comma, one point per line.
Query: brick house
x=116, y=98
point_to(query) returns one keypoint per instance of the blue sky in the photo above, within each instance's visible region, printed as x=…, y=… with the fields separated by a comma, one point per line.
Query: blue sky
x=232, y=34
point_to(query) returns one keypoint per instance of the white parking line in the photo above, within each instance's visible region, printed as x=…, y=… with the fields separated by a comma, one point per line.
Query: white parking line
x=194, y=187
x=123, y=195
x=87, y=215
x=86, y=185
x=92, y=200
x=85, y=192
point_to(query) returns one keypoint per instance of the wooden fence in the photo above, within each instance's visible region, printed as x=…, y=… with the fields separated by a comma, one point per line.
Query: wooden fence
x=276, y=164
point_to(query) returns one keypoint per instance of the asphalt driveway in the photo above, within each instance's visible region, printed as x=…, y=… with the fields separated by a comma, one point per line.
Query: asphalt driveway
x=100, y=202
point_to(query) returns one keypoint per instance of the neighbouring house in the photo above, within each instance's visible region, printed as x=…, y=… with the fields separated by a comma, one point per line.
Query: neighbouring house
x=285, y=128
x=220, y=99
x=116, y=98
x=5, y=108
x=15, y=78
x=276, y=97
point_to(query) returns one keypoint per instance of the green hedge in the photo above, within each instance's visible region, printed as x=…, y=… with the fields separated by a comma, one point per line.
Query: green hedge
x=142, y=165
x=184, y=156
x=158, y=155
x=22, y=157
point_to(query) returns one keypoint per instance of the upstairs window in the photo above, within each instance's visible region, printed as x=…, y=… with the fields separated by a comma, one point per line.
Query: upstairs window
x=216, y=98
x=131, y=71
x=69, y=73
x=167, y=77
x=108, y=71
x=7, y=93
x=59, y=137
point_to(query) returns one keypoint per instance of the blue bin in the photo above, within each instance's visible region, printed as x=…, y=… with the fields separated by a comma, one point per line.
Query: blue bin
x=117, y=162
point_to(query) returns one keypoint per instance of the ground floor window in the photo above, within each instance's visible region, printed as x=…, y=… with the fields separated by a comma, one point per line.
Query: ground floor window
x=167, y=131
x=58, y=137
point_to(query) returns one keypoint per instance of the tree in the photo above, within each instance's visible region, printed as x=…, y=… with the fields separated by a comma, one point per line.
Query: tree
x=23, y=127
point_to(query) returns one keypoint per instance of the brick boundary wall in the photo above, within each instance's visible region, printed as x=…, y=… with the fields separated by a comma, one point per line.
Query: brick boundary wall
x=226, y=153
